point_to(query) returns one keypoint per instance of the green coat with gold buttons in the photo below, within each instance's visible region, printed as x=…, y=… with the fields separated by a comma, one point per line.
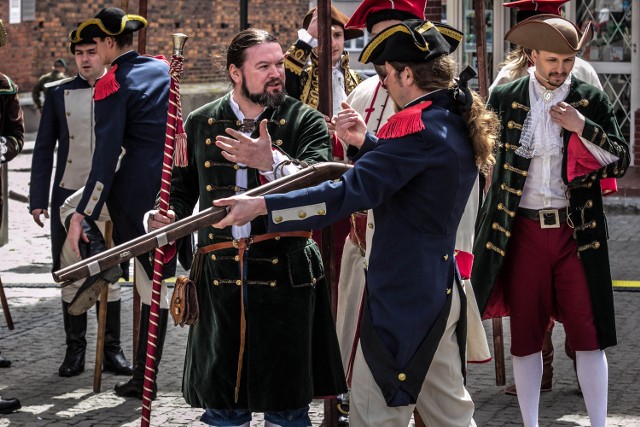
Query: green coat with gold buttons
x=291, y=352
x=495, y=222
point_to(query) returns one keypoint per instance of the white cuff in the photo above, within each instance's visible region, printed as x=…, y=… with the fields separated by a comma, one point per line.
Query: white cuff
x=304, y=36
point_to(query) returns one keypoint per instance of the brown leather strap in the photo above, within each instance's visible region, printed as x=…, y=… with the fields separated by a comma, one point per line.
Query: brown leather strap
x=250, y=240
x=358, y=232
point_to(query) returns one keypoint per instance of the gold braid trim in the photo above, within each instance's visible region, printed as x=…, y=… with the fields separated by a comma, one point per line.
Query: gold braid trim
x=98, y=22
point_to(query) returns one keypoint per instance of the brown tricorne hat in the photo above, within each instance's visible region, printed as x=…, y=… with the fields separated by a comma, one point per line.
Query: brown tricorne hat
x=337, y=18
x=550, y=33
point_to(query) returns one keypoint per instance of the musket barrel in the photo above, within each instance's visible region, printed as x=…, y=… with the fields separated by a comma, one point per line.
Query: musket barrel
x=310, y=176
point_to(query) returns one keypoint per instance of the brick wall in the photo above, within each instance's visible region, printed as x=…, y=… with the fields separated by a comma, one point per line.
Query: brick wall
x=433, y=10
x=34, y=45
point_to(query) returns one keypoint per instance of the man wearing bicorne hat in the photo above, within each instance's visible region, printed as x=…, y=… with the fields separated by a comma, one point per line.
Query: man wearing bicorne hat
x=131, y=102
x=371, y=100
x=541, y=247
x=416, y=178
x=514, y=67
x=67, y=125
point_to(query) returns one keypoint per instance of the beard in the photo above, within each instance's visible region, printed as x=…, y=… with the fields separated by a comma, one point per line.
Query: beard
x=265, y=98
x=563, y=76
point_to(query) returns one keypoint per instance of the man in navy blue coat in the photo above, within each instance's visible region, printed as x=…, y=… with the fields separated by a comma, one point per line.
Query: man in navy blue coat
x=417, y=178
x=67, y=121
x=131, y=103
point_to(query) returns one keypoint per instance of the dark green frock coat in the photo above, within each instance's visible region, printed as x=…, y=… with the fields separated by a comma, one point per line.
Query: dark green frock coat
x=291, y=352
x=495, y=222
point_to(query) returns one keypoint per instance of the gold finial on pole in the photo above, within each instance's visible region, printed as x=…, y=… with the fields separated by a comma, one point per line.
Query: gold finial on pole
x=179, y=40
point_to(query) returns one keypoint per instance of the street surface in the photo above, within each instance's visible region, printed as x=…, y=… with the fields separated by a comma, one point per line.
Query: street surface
x=37, y=344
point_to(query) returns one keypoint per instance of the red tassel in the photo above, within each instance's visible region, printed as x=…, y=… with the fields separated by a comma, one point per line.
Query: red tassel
x=405, y=122
x=107, y=85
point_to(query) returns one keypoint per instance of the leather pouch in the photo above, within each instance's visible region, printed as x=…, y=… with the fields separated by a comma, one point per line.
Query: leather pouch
x=184, y=301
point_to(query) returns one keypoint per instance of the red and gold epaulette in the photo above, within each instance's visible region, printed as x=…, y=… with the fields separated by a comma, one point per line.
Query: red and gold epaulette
x=405, y=122
x=107, y=85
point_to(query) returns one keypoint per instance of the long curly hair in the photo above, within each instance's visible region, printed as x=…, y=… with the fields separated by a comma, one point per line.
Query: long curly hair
x=482, y=123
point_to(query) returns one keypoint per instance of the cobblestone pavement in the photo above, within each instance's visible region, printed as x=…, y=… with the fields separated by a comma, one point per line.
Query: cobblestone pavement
x=36, y=346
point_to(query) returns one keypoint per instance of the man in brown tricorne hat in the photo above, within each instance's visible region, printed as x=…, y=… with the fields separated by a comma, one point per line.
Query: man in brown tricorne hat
x=541, y=246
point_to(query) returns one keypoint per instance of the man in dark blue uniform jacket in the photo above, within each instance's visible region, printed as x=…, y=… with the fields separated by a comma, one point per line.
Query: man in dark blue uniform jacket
x=131, y=103
x=417, y=178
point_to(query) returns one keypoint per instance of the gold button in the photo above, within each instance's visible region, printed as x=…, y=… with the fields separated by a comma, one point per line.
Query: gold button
x=207, y=164
x=216, y=282
x=95, y=197
x=66, y=92
x=69, y=161
x=211, y=236
x=62, y=184
x=314, y=280
x=236, y=188
x=370, y=225
x=283, y=122
x=272, y=284
x=448, y=291
x=208, y=141
x=514, y=104
x=71, y=136
x=239, y=282
x=99, y=187
x=88, y=211
x=278, y=142
x=277, y=219
x=402, y=376
x=68, y=113
x=302, y=214
x=277, y=238
x=238, y=123
x=322, y=212
x=213, y=258
x=445, y=257
x=211, y=121
x=274, y=261
x=236, y=167
x=596, y=245
x=236, y=258
x=209, y=187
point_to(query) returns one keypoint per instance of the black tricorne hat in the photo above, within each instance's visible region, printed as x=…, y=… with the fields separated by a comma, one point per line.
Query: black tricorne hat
x=75, y=41
x=110, y=21
x=411, y=41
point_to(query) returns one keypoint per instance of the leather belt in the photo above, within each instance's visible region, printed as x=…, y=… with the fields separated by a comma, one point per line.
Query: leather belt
x=548, y=218
x=242, y=245
x=358, y=231
x=245, y=242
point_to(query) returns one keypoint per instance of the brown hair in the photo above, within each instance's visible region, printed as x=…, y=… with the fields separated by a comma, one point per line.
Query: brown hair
x=482, y=123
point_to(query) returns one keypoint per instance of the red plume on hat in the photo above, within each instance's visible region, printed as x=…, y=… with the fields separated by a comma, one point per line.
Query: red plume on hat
x=367, y=7
x=529, y=8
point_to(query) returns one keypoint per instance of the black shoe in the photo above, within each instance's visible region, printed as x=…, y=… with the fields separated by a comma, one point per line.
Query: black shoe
x=8, y=406
x=4, y=363
x=117, y=363
x=133, y=388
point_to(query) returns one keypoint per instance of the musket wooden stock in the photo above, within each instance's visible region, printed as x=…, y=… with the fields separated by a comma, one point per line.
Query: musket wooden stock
x=307, y=177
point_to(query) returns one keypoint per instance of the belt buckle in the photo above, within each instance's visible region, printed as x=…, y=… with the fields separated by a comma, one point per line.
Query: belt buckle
x=549, y=218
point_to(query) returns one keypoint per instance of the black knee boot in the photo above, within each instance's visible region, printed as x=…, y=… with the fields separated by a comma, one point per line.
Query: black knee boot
x=133, y=387
x=114, y=359
x=75, y=327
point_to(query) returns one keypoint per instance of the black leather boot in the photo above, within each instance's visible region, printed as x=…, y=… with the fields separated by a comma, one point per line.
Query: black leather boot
x=133, y=387
x=75, y=327
x=8, y=406
x=114, y=360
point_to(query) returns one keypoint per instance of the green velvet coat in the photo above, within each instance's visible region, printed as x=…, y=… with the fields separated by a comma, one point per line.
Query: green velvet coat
x=495, y=222
x=291, y=352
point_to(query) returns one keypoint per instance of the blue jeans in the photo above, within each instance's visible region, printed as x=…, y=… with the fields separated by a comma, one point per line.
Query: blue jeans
x=237, y=417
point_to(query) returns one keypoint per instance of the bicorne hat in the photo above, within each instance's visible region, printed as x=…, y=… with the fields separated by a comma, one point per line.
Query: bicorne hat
x=337, y=18
x=550, y=33
x=75, y=41
x=109, y=22
x=411, y=41
x=529, y=8
x=367, y=7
